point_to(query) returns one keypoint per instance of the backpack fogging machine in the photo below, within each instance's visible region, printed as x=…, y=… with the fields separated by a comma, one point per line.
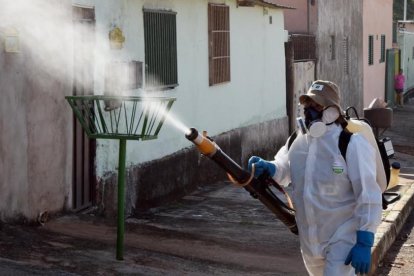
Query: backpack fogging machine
x=258, y=188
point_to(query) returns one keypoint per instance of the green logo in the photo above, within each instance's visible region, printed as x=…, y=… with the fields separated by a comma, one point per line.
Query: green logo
x=337, y=169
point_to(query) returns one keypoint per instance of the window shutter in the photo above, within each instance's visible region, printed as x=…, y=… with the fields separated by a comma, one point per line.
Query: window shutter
x=382, y=48
x=160, y=49
x=219, y=43
x=332, y=48
x=346, y=55
x=370, y=50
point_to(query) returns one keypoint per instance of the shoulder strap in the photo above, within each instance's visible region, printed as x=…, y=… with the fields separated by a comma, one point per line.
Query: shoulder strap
x=343, y=142
x=292, y=138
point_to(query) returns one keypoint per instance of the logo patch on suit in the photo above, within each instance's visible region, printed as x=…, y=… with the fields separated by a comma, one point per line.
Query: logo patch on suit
x=337, y=168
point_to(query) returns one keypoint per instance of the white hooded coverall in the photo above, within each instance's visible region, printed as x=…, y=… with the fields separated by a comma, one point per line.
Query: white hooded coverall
x=333, y=198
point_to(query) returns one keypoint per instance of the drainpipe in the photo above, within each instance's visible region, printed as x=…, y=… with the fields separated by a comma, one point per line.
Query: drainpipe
x=402, y=59
x=308, y=13
x=405, y=10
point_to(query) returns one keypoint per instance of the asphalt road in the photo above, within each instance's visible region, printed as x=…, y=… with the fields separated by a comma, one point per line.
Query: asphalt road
x=218, y=230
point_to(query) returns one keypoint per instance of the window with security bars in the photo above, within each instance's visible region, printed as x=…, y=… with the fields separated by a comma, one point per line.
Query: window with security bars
x=160, y=36
x=345, y=45
x=219, y=43
x=370, y=50
x=382, y=59
x=304, y=47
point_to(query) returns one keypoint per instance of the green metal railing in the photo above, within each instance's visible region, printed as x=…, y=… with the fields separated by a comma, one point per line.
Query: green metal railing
x=123, y=118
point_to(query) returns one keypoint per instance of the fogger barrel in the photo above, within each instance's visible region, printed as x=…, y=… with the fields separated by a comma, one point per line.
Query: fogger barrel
x=257, y=187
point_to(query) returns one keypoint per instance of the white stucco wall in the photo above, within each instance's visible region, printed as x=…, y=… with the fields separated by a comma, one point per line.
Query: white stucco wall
x=377, y=21
x=255, y=94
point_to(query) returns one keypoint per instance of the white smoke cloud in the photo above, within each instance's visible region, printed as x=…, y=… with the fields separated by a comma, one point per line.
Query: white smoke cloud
x=44, y=32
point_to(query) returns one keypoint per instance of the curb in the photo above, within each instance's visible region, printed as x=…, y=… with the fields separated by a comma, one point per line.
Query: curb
x=391, y=225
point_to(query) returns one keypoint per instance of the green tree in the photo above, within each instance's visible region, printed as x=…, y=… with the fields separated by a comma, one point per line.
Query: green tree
x=398, y=10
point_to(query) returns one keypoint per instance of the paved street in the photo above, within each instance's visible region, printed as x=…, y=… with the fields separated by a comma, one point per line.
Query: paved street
x=219, y=230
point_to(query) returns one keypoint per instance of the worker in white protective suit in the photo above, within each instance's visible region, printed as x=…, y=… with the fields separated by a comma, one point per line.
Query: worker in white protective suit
x=338, y=203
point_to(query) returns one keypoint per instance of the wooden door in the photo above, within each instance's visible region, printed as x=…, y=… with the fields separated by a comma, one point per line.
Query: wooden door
x=84, y=148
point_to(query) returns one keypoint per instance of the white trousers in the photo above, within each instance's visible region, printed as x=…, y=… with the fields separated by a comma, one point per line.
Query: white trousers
x=333, y=262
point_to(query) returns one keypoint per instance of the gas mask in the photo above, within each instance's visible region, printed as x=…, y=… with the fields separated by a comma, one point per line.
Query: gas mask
x=316, y=121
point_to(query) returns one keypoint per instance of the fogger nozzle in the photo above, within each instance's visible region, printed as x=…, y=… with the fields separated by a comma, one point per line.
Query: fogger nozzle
x=204, y=144
x=255, y=186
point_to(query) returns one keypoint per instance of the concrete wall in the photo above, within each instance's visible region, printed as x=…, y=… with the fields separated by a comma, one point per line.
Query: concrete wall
x=377, y=20
x=304, y=76
x=341, y=19
x=35, y=121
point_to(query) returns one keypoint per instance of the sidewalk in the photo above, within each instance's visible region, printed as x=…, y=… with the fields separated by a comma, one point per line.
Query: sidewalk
x=402, y=136
x=218, y=230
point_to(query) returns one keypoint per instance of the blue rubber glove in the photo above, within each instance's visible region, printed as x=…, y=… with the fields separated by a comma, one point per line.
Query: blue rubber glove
x=360, y=255
x=261, y=166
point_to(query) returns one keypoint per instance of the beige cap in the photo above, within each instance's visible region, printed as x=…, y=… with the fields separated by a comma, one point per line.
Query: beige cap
x=324, y=93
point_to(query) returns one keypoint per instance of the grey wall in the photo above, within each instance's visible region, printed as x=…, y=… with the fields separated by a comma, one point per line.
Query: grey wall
x=164, y=180
x=35, y=120
x=341, y=19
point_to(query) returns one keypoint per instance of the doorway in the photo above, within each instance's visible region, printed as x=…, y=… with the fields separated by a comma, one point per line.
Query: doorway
x=84, y=149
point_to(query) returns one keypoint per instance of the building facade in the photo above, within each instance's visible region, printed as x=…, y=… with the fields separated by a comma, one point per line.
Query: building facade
x=223, y=61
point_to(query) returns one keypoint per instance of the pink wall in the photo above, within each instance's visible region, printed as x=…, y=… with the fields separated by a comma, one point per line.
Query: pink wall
x=296, y=20
x=377, y=21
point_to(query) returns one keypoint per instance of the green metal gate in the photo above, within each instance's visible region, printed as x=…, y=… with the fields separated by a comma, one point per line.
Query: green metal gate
x=392, y=66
